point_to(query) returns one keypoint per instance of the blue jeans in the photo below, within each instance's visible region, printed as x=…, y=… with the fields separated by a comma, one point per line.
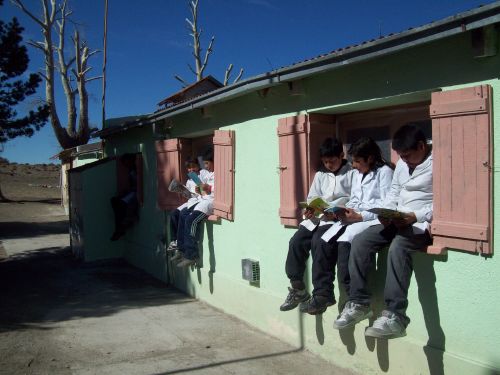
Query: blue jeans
x=188, y=231
x=402, y=244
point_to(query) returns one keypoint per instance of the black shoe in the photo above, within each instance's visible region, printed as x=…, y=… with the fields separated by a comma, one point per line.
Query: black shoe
x=295, y=296
x=316, y=305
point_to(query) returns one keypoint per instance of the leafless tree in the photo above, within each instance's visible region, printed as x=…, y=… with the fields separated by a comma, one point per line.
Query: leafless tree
x=75, y=69
x=201, y=63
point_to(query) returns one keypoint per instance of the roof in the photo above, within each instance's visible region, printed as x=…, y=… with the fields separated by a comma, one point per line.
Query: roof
x=78, y=150
x=202, y=86
x=385, y=45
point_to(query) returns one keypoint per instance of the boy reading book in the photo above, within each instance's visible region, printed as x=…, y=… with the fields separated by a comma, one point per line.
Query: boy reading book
x=191, y=218
x=371, y=183
x=411, y=193
x=332, y=183
x=193, y=168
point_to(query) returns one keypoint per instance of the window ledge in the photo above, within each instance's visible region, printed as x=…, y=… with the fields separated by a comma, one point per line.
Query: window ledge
x=213, y=219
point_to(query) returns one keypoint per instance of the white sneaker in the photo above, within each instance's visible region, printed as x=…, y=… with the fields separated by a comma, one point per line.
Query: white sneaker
x=352, y=314
x=172, y=247
x=387, y=326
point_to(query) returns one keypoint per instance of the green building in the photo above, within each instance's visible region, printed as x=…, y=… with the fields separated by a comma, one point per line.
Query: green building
x=265, y=132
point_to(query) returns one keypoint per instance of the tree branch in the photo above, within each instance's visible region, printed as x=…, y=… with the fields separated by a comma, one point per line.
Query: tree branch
x=21, y=6
x=184, y=84
x=227, y=74
x=93, y=78
x=238, y=76
x=39, y=45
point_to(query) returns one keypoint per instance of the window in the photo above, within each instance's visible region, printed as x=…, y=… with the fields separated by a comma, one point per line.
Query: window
x=171, y=155
x=123, y=178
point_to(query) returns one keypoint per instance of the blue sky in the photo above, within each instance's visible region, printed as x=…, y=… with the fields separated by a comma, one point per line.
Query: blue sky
x=148, y=43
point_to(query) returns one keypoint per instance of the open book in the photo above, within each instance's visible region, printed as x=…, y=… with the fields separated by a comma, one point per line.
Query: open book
x=387, y=213
x=336, y=209
x=317, y=204
x=176, y=187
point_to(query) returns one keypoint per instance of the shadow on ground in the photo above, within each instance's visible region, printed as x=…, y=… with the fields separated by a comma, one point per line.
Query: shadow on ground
x=23, y=229
x=49, y=285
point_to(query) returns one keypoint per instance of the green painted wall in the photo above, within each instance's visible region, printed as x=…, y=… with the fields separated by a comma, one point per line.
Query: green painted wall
x=453, y=304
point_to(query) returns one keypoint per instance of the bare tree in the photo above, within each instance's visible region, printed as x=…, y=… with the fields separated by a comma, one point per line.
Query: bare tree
x=55, y=16
x=201, y=63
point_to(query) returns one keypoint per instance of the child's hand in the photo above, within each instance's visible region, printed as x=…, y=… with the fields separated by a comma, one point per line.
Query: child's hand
x=206, y=188
x=349, y=216
x=408, y=220
x=385, y=222
x=330, y=216
x=308, y=213
x=197, y=190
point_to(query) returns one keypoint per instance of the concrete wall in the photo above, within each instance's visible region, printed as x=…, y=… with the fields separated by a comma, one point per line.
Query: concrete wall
x=453, y=299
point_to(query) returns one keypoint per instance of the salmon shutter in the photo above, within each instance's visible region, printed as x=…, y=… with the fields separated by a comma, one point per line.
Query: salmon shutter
x=140, y=180
x=299, y=141
x=320, y=127
x=461, y=133
x=224, y=173
x=170, y=157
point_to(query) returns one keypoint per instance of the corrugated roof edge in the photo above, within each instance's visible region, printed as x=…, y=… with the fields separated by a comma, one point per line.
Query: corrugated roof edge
x=462, y=22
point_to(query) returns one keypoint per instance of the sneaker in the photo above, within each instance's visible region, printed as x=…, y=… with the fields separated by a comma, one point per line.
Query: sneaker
x=172, y=247
x=177, y=256
x=387, y=326
x=352, y=314
x=316, y=305
x=186, y=263
x=295, y=296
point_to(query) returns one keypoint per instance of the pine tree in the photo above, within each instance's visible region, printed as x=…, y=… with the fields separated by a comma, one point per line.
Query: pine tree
x=14, y=90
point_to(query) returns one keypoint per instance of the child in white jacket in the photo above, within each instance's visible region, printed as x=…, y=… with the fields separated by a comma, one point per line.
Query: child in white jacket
x=333, y=184
x=411, y=193
x=371, y=183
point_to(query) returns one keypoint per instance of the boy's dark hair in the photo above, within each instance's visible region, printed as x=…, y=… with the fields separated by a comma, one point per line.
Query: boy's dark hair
x=191, y=161
x=331, y=147
x=365, y=147
x=208, y=154
x=408, y=138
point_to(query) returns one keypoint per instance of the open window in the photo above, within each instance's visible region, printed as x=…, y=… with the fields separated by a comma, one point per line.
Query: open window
x=123, y=180
x=171, y=155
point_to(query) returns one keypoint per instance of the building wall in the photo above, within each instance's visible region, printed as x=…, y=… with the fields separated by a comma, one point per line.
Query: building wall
x=453, y=299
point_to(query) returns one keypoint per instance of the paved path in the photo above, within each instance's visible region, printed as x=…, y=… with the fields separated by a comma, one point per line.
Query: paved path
x=58, y=316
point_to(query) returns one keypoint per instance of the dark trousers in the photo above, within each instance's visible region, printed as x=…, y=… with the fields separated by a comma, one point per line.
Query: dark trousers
x=174, y=224
x=125, y=213
x=189, y=231
x=403, y=243
x=301, y=243
x=325, y=258
x=344, y=249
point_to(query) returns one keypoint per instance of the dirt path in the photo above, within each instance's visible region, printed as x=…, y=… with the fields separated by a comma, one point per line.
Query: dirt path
x=59, y=316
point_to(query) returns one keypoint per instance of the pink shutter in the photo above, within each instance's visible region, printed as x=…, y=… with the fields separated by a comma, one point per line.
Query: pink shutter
x=224, y=173
x=140, y=179
x=461, y=133
x=170, y=157
x=299, y=141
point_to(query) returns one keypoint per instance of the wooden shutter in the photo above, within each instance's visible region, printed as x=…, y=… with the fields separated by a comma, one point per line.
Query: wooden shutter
x=224, y=173
x=170, y=157
x=140, y=179
x=299, y=141
x=461, y=133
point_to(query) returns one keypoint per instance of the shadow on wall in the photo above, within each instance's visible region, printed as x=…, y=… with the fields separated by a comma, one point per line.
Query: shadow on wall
x=426, y=280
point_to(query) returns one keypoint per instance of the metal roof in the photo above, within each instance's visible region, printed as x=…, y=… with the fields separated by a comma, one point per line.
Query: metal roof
x=385, y=45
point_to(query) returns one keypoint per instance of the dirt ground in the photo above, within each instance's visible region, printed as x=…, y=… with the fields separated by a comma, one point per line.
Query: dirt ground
x=60, y=316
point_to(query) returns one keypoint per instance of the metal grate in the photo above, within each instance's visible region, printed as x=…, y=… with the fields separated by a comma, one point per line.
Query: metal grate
x=250, y=270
